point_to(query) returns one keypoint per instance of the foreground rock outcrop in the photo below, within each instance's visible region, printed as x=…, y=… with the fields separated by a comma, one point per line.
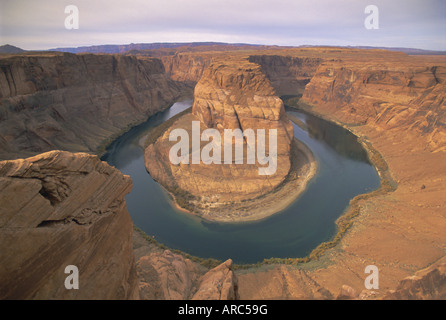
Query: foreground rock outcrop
x=426, y=284
x=76, y=103
x=61, y=209
x=233, y=95
x=219, y=283
x=165, y=275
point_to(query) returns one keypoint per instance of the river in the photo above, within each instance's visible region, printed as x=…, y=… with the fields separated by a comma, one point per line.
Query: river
x=343, y=172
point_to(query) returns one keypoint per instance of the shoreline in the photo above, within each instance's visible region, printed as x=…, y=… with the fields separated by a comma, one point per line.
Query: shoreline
x=268, y=204
x=343, y=223
x=345, y=220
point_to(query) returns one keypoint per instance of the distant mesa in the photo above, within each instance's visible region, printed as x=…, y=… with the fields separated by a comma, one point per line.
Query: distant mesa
x=117, y=48
x=7, y=48
x=218, y=46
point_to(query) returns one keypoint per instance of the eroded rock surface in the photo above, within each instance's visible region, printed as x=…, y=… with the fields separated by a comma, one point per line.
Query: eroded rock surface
x=219, y=283
x=61, y=209
x=390, y=95
x=426, y=284
x=230, y=95
x=165, y=275
x=76, y=102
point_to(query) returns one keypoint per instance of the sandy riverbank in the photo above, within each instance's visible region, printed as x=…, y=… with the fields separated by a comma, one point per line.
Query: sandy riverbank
x=303, y=169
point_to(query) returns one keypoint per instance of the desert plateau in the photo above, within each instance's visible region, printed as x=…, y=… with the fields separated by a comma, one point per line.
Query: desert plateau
x=298, y=168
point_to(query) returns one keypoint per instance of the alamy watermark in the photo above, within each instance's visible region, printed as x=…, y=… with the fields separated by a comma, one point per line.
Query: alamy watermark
x=372, y=20
x=72, y=281
x=371, y=281
x=211, y=153
x=72, y=20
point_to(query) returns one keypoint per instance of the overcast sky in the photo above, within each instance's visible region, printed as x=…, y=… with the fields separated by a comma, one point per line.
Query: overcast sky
x=39, y=24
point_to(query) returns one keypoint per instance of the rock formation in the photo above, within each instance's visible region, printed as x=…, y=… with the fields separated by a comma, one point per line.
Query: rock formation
x=288, y=75
x=185, y=67
x=59, y=209
x=165, y=275
x=76, y=102
x=407, y=96
x=426, y=284
x=219, y=283
x=394, y=103
x=230, y=95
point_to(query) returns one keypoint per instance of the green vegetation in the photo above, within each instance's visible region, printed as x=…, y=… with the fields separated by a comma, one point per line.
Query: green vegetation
x=343, y=223
x=102, y=148
x=346, y=220
x=207, y=263
x=182, y=197
x=158, y=131
x=291, y=100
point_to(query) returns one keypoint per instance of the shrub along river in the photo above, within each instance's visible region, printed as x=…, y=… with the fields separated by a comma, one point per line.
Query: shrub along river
x=343, y=172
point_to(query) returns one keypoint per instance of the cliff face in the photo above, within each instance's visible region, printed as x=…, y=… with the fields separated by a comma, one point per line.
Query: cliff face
x=165, y=275
x=402, y=96
x=185, y=67
x=394, y=103
x=426, y=284
x=237, y=95
x=230, y=95
x=76, y=102
x=288, y=75
x=61, y=209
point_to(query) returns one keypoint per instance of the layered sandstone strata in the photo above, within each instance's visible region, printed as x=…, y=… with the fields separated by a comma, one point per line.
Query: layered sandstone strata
x=402, y=95
x=230, y=95
x=186, y=67
x=288, y=74
x=395, y=103
x=165, y=275
x=76, y=102
x=60, y=209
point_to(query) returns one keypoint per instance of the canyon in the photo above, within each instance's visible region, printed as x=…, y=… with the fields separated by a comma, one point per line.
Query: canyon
x=393, y=102
x=231, y=95
x=77, y=102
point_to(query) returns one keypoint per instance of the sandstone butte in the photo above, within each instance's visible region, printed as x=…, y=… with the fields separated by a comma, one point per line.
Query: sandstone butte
x=393, y=102
x=232, y=95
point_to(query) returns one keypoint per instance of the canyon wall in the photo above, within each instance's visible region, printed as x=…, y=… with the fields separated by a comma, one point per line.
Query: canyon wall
x=395, y=104
x=288, y=75
x=186, y=67
x=426, y=284
x=60, y=209
x=165, y=275
x=405, y=96
x=76, y=102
